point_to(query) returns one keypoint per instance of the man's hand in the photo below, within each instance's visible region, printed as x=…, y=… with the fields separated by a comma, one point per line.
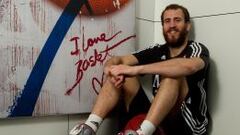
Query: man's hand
x=111, y=72
x=125, y=70
x=117, y=81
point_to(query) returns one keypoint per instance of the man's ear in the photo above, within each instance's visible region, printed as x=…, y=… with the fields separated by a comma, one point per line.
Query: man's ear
x=189, y=25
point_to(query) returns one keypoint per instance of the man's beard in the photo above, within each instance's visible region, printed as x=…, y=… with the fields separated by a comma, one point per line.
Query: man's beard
x=179, y=41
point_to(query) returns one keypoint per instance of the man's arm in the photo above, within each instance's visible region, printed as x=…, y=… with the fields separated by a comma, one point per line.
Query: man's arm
x=118, y=60
x=126, y=60
x=172, y=68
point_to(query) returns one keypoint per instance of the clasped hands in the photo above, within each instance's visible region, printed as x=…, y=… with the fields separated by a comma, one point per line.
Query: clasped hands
x=117, y=73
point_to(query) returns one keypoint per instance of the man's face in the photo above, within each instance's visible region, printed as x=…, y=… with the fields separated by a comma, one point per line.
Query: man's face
x=175, y=29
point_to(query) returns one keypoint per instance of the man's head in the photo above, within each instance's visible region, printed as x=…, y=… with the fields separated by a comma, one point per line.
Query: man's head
x=176, y=25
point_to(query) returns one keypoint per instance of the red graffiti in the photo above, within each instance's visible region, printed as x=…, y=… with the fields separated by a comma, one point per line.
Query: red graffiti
x=98, y=57
x=96, y=82
x=90, y=42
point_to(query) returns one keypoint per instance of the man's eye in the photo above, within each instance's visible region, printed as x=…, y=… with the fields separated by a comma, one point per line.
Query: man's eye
x=166, y=21
x=178, y=20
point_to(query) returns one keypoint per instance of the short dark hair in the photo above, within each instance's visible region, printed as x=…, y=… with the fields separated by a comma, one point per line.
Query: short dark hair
x=175, y=7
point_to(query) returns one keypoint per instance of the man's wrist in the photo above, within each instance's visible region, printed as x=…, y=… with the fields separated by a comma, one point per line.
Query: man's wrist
x=140, y=69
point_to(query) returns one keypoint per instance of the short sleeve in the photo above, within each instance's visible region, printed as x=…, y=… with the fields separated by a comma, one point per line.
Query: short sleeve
x=199, y=50
x=151, y=55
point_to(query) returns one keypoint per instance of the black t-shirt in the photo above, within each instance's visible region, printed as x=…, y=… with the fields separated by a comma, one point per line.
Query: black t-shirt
x=194, y=108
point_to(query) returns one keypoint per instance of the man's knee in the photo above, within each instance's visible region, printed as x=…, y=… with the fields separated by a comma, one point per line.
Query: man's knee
x=179, y=84
x=172, y=81
x=181, y=87
x=181, y=81
x=131, y=84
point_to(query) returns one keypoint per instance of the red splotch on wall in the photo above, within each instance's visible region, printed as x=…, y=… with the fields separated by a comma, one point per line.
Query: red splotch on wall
x=95, y=7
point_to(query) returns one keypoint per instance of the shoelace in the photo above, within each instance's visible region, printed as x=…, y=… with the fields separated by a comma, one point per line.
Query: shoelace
x=76, y=130
x=129, y=133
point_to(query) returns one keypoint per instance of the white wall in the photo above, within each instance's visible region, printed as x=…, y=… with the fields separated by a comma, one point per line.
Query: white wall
x=223, y=40
x=216, y=24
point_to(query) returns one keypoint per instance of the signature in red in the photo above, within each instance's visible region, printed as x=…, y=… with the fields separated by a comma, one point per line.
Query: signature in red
x=98, y=56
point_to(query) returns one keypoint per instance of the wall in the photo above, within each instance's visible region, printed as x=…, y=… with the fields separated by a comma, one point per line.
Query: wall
x=215, y=25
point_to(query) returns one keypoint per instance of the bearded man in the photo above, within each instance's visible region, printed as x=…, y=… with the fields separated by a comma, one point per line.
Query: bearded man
x=179, y=68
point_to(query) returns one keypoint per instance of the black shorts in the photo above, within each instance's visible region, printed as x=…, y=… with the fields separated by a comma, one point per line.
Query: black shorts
x=139, y=105
x=172, y=125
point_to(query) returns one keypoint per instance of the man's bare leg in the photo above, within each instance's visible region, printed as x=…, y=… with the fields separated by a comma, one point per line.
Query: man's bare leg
x=169, y=98
x=109, y=96
x=107, y=99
